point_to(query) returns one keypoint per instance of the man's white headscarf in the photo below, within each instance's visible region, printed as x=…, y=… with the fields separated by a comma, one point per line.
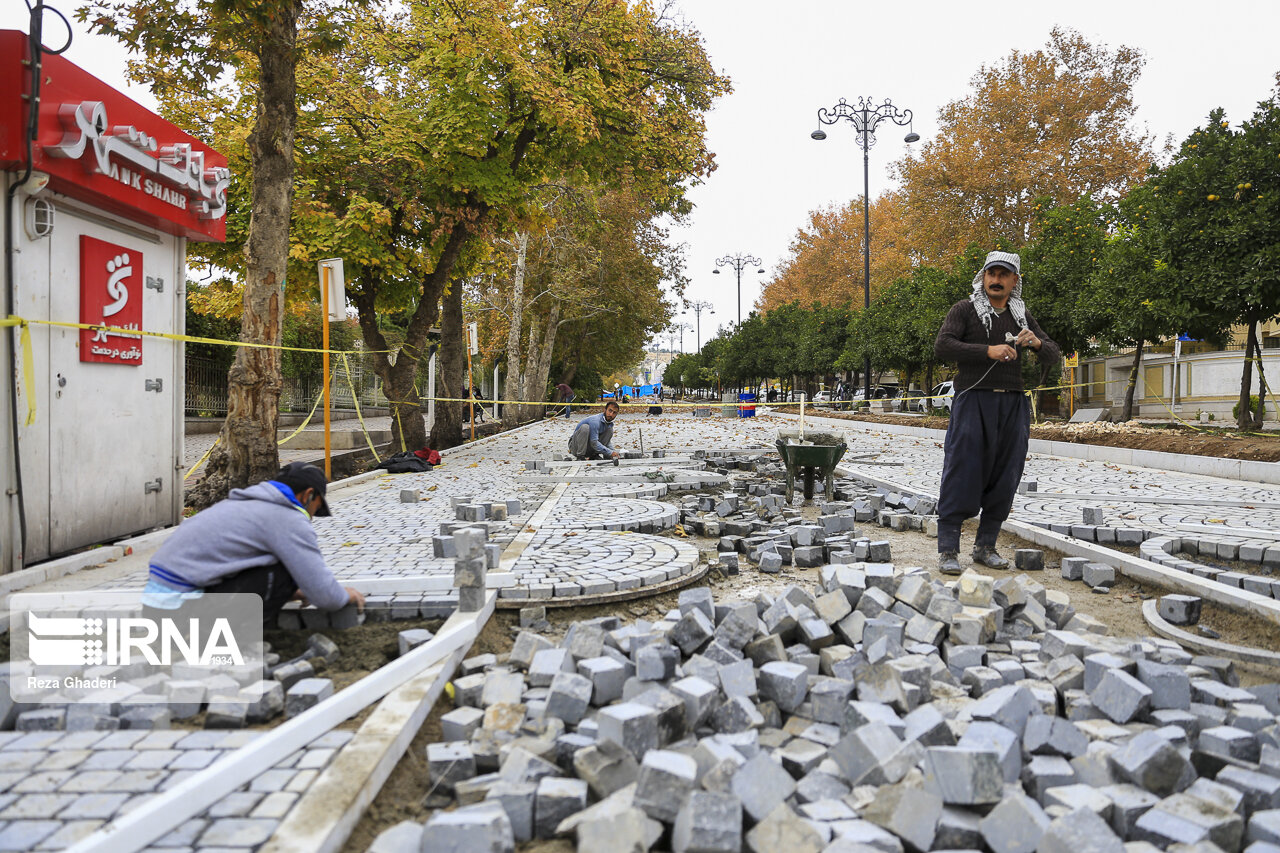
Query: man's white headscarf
x=1015, y=304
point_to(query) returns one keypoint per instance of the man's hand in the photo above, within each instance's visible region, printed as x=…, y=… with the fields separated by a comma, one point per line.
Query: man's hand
x=356, y=596
x=615, y=455
x=1027, y=338
x=1002, y=352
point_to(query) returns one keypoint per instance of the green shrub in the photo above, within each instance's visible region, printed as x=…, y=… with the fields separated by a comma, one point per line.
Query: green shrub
x=1255, y=405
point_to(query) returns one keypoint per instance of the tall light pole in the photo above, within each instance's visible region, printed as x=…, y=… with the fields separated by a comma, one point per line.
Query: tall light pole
x=698, y=306
x=682, y=328
x=739, y=262
x=865, y=118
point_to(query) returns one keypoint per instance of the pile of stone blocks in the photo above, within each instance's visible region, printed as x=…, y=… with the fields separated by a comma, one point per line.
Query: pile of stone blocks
x=754, y=521
x=881, y=709
x=235, y=697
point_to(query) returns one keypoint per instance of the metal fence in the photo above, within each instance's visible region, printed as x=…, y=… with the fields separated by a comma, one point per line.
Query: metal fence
x=206, y=388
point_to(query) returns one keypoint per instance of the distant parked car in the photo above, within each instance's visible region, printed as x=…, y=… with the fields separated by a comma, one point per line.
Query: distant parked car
x=910, y=401
x=878, y=392
x=822, y=397
x=943, y=394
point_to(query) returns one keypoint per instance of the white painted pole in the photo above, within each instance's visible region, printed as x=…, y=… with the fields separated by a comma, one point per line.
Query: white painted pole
x=495, y=392
x=431, y=392
x=802, y=416
x=156, y=817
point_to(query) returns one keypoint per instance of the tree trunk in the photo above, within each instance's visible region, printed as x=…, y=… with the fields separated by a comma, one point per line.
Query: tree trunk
x=513, y=414
x=408, y=427
x=538, y=364
x=451, y=372
x=1126, y=413
x=1244, y=412
x=1263, y=390
x=246, y=451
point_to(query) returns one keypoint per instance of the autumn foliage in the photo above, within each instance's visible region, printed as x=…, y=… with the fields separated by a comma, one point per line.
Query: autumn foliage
x=1052, y=124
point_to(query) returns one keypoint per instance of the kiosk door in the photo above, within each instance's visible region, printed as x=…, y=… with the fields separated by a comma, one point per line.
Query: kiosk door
x=112, y=397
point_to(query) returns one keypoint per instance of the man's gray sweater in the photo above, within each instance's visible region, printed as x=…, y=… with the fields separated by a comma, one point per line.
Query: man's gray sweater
x=253, y=527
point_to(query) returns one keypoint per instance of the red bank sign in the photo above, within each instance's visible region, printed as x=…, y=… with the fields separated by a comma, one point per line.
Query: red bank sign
x=105, y=149
x=110, y=295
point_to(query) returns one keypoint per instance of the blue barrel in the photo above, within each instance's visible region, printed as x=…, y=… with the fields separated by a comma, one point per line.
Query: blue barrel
x=746, y=411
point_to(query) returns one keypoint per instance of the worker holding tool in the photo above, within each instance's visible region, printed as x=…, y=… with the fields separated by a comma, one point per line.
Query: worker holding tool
x=986, y=444
x=590, y=439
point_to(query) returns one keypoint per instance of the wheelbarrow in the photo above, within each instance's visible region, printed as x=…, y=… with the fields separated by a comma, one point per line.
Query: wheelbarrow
x=810, y=461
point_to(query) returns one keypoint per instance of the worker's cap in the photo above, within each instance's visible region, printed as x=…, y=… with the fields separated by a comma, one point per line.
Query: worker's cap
x=1009, y=260
x=300, y=476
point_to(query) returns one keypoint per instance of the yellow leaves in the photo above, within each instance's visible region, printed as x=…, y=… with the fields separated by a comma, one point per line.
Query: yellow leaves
x=1212, y=197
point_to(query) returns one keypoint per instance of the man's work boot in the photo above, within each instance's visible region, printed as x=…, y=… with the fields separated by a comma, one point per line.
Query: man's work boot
x=987, y=555
x=949, y=563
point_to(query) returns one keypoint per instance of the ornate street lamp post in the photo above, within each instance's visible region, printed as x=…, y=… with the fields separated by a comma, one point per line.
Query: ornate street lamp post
x=697, y=306
x=739, y=262
x=865, y=118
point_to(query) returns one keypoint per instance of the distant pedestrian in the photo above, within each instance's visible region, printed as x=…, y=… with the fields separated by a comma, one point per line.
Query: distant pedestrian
x=590, y=439
x=565, y=395
x=986, y=443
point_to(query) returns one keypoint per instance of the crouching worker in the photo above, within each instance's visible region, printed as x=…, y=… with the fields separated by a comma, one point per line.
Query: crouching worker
x=259, y=540
x=590, y=440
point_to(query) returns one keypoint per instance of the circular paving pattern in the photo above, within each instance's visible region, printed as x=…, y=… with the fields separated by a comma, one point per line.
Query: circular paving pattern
x=590, y=512
x=642, y=491
x=561, y=564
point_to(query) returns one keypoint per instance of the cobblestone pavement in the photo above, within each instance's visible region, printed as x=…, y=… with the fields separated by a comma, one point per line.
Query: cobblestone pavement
x=597, y=537
x=58, y=787
x=1159, y=501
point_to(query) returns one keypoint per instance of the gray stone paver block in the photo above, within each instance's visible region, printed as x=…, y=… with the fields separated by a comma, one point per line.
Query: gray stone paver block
x=237, y=832
x=1015, y=825
x=761, y=785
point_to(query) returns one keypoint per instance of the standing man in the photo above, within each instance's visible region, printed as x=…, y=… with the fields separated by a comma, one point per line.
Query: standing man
x=590, y=439
x=986, y=444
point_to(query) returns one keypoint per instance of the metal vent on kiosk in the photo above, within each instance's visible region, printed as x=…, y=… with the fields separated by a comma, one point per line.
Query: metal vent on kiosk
x=40, y=216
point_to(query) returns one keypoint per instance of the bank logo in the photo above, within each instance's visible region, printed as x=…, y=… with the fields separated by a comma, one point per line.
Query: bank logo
x=110, y=295
x=118, y=269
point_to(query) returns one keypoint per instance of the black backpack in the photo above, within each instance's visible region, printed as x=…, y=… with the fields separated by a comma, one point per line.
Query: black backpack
x=406, y=462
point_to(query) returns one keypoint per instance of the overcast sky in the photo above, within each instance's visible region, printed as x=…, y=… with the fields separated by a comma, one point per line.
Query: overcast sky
x=789, y=59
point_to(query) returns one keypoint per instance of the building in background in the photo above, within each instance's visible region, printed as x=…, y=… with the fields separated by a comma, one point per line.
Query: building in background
x=1182, y=378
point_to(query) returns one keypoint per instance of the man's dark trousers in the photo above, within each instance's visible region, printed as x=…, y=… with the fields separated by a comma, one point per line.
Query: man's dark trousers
x=272, y=583
x=985, y=451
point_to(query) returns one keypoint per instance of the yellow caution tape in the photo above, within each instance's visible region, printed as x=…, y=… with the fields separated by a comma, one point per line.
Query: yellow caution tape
x=196, y=467
x=28, y=372
x=355, y=398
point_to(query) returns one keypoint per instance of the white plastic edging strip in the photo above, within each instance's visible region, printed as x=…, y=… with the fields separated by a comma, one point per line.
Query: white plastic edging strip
x=142, y=826
x=1204, y=645
x=327, y=813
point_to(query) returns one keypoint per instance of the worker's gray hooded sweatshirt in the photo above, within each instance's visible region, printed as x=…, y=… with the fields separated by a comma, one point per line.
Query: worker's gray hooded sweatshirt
x=253, y=527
